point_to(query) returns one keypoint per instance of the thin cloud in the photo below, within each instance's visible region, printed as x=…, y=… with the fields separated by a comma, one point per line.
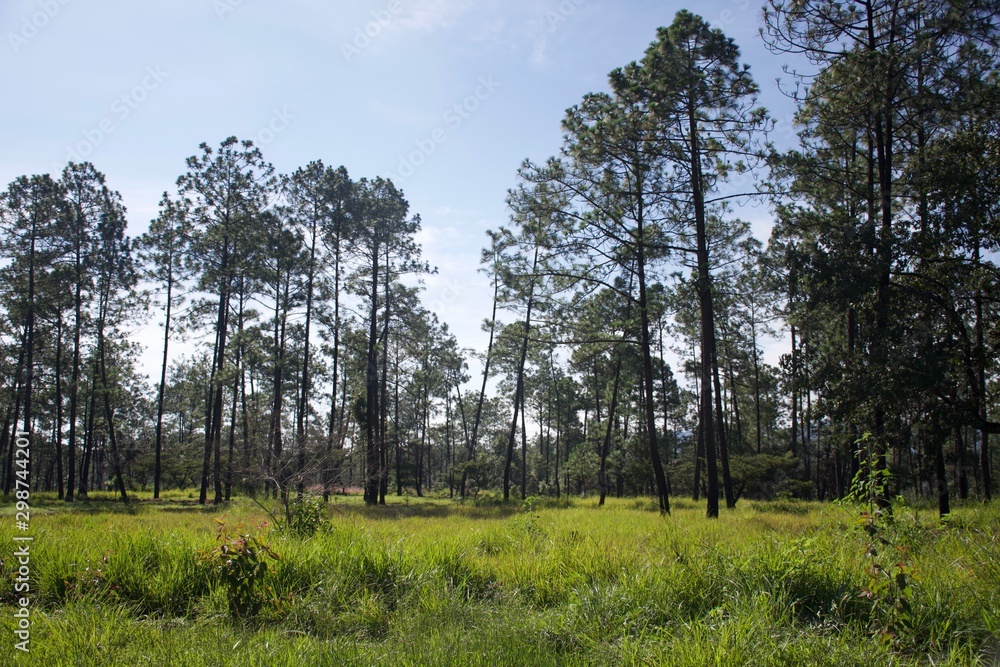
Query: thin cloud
x=430, y=15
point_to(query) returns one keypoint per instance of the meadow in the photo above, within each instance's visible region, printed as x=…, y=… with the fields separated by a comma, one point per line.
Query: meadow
x=541, y=582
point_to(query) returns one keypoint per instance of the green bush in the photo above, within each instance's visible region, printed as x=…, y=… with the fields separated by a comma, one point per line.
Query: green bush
x=241, y=558
x=305, y=516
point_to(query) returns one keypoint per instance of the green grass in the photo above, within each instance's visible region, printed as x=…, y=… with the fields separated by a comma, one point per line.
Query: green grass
x=435, y=582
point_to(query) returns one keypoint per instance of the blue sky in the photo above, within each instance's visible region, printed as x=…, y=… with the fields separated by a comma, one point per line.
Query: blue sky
x=445, y=96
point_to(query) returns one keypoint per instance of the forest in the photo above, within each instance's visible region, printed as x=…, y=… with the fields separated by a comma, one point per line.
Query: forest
x=631, y=305
x=682, y=444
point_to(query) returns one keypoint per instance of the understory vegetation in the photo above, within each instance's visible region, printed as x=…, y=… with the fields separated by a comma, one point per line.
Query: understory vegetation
x=540, y=582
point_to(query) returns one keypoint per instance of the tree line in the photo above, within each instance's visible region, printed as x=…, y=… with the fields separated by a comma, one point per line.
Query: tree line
x=317, y=368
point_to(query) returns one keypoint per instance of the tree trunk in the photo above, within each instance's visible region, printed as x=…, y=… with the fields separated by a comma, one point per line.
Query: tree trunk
x=384, y=403
x=88, y=435
x=940, y=473
x=331, y=469
x=524, y=451
x=75, y=366
x=961, y=478
x=486, y=375
x=793, y=384
x=59, y=407
x=707, y=317
x=727, y=482
x=232, y=425
x=281, y=474
x=602, y=476
x=109, y=418
x=647, y=365
x=449, y=459
x=300, y=426
x=984, y=436
x=519, y=391
x=29, y=341
x=218, y=361
x=157, y=468
x=372, y=474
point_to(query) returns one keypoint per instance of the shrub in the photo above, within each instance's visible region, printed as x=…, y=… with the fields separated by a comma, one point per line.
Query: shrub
x=305, y=516
x=241, y=560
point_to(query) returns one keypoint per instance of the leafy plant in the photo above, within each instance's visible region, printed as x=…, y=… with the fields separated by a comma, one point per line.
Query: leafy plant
x=305, y=516
x=890, y=571
x=241, y=560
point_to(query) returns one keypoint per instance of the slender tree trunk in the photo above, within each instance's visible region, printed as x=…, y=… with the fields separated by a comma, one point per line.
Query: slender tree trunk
x=157, y=467
x=545, y=417
x=756, y=382
x=300, y=426
x=449, y=460
x=513, y=424
x=727, y=482
x=734, y=397
x=426, y=461
x=75, y=367
x=384, y=390
x=807, y=414
x=961, y=479
x=59, y=407
x=250, y=486
x=396, y=444
x=88, y=435
x=524, y=451
x=372, y=475
x=555, y=454
x=602, y=475
x=519, y=391
x=101, y=363
x=29, y=340
x=884, y=151
x=984, y=436
x=232, y=423
x=331, y=468
x=277, y=397
x=707, y=316
x=216, y=385
x=109, y=418
x=647, y=364
x=663, y=386
x=793, y=383
x=486, y=375
x=699, y=456
x=940, y=472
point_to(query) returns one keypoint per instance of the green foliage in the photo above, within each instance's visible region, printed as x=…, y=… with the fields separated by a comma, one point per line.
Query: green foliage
x=305, y=516
x=889, y=569
x=241, y=558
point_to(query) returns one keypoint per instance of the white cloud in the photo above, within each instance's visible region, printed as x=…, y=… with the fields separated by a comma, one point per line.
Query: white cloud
x=430, y=15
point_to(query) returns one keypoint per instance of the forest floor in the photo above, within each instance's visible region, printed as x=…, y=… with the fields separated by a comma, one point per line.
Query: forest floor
x=438, y=582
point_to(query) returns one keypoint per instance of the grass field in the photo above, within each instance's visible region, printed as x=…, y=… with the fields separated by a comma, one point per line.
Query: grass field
x=435, y=582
